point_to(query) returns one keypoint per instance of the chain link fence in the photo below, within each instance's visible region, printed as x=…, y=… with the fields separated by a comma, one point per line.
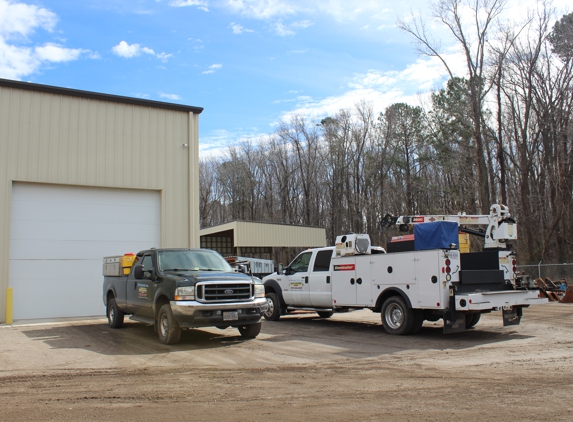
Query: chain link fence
x=555, y=272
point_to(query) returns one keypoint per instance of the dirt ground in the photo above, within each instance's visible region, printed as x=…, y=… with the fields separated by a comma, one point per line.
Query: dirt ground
x=299, y=368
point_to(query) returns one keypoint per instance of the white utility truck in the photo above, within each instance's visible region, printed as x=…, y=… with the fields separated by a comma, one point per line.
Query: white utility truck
x=426, y=278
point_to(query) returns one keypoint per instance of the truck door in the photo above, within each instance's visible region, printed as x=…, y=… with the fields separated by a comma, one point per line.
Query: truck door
x=296, y=289
x=319, y=280
x=140, y=293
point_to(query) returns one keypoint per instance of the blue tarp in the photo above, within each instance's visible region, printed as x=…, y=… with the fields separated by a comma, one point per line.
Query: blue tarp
x=436, y=235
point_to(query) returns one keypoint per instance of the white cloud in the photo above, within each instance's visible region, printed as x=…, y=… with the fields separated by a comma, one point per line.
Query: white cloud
x=263, y=9
x=286, y=30
x=382, y=89
x=123, y=49
x=201, y=4
x=164, y=56
x=57, y=54
x=172, y=97
x=239, y=29
x=212, y=68
x=217, y=142
x=341, y=10
x=17, y=22
x=302, y=24
x=19, y=19
x=142, y=96
x=283, y=30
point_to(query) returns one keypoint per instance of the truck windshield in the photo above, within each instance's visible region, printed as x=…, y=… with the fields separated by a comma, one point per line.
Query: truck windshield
x=192, y=260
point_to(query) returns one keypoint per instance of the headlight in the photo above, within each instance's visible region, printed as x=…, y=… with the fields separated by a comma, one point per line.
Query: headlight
x=185, y=293
x=259, y=290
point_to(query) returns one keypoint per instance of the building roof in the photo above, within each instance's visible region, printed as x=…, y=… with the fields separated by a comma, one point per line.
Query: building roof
x=254, y=234
x=98, y=96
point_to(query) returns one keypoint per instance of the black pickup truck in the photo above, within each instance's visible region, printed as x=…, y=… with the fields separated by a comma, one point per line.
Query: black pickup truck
x=175, y=289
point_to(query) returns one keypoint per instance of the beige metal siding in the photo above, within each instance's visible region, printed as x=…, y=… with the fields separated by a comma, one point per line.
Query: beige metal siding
x=60, y=139
x=250, y=234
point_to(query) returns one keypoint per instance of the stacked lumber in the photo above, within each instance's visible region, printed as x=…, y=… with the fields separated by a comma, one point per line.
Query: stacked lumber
x=554, y=292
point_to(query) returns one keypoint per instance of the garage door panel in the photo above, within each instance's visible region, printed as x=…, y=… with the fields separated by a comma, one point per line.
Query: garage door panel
x=90, y=231
x=65, y=250
x=60, y=291
x=58, y=237
x=47, y=213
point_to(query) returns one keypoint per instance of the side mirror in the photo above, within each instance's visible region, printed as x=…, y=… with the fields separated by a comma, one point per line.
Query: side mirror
x=280, y=269
x=138, y=272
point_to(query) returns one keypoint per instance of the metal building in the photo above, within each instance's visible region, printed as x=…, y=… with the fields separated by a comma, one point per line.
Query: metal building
x=263, y=240
x=85, y=175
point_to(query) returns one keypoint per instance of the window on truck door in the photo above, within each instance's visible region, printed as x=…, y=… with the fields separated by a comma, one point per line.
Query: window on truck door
x=147, y=263
x=322, y=261
x=300, y=263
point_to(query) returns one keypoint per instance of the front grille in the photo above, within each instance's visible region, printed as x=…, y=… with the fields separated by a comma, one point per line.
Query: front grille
x=224, y=292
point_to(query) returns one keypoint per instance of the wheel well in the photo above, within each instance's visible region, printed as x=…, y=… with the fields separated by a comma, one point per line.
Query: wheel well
x=161, y=300
x=389, y=293
x=109, y=296
x=269, y=289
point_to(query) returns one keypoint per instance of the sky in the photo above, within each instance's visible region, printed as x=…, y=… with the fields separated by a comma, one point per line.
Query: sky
x=248, y=63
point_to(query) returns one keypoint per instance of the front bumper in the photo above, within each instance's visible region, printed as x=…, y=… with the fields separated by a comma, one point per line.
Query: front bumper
x=193, y=314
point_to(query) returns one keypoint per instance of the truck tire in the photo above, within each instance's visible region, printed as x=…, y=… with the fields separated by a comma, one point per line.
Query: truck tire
x=250, y=331
x=168, y=330
x=114, y=314
x=273, y=312
x=472, y=319
x=418, y=321
x=324, y=314
x=397, y=318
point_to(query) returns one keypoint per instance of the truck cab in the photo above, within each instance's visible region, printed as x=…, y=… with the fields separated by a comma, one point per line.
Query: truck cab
x=304, y=284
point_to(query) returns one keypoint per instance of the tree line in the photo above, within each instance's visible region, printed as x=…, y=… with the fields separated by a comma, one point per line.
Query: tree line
x=503, y=134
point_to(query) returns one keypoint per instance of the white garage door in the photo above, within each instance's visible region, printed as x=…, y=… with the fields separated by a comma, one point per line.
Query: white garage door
x=59, y=236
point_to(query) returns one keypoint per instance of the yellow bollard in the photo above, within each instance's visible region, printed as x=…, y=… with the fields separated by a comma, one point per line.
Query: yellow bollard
x=9, y=303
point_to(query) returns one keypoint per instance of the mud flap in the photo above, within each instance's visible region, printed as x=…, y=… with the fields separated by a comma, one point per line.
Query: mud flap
x=512, y=317
x=454, y=322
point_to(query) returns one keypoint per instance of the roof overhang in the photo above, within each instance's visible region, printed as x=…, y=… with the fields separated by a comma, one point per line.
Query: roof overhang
x=98, y=96
x=253, y=234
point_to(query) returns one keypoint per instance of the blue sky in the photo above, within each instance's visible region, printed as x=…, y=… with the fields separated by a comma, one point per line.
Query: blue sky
x=249, y=63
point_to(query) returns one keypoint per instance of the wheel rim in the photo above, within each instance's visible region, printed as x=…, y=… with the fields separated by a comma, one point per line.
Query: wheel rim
x=394, y=316
x=164, y=326
x=111, y=314
x=270, y=308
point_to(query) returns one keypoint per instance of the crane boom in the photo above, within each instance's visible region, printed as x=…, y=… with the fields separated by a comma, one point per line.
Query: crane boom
x=501, y=227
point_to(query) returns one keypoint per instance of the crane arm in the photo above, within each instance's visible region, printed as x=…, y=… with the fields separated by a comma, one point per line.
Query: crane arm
x=501, y=227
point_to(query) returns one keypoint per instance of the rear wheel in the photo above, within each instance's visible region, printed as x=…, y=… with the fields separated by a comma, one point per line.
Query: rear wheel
x=397, y=318
x=273, y=312
x=324, y=314
x=114, y=314
x=418, y=321
x=250, y=331
x=169, y=331
x=472, y=320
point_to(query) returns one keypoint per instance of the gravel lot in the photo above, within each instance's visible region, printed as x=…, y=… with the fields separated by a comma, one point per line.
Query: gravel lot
x=301, y=367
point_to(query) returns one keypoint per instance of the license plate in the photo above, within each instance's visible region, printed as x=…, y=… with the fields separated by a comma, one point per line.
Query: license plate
x=230, y=316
